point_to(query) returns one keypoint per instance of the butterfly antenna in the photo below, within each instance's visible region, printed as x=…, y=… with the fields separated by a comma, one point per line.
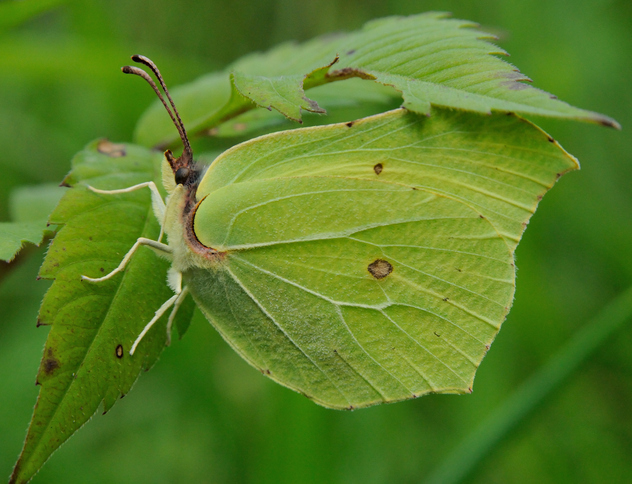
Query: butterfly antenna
x=141, y=59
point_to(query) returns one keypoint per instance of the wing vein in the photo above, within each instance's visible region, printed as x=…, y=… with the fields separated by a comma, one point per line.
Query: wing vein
x=271, y=318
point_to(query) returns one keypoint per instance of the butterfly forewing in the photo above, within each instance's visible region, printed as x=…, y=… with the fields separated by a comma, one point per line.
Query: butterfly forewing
x=356, y=270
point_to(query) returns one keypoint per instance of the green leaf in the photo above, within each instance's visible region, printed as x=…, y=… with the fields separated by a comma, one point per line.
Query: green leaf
x=436, y=61
x=36, y=202
x=430, y=59
x=29, y=208
x=353, y=99
x=373, y=261
x=13, y=236
x=285, y=93
x=83, y=366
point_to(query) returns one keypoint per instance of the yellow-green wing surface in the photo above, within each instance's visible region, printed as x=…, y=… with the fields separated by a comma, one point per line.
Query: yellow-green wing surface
x=372, y=261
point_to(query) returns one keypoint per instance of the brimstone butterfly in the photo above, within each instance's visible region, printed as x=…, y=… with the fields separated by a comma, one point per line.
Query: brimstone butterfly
x=357, y=263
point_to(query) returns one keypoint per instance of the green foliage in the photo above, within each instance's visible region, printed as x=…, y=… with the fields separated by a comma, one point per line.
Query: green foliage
x=431, y=60
x=13, y=235
x=387, y=194
x=86, y=361
x=29, y=208
x=62, y=87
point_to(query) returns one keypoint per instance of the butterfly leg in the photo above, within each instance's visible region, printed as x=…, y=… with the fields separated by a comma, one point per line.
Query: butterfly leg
x=152, y=244
x=172, y=316
x=162, y=310
x=174, y=278
x=157, y=203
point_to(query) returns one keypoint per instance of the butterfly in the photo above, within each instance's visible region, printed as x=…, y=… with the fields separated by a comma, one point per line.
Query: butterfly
x=357, y=263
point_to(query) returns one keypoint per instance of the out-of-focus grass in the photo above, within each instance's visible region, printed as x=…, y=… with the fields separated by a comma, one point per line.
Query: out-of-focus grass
x=202, y=414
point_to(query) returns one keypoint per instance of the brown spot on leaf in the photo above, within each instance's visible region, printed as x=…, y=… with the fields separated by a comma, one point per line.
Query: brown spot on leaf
x=349, y=124
x=380, y=268
x=437, y=334
x=446, y=299
x=119, y=351
x=349, y=72
x=481, y=216
x=470, y=390
x=551, y=140
x=313, y=107
x=516, y=82
x=378, y=168
x=50, y=363
x=514, y=75
x=113, y=150
x=350, y=407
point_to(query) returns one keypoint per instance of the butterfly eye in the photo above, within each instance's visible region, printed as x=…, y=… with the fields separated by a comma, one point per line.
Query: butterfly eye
x=182, y=174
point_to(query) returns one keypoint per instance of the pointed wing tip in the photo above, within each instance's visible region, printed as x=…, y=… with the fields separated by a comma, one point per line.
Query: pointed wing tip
x=607, y=122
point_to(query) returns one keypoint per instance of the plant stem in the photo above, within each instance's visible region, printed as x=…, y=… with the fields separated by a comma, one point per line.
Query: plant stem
x=482, y=441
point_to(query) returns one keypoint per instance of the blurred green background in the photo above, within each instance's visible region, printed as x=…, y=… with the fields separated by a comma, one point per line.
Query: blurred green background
x=202, y=414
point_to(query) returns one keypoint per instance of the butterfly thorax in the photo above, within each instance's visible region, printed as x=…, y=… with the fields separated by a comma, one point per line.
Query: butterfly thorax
x=187, y=251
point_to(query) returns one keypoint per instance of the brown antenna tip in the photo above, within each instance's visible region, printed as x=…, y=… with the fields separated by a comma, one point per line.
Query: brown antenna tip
x=141, y=59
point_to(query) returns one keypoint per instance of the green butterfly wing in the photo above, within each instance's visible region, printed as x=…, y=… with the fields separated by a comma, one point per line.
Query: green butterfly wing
x=371, y=262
